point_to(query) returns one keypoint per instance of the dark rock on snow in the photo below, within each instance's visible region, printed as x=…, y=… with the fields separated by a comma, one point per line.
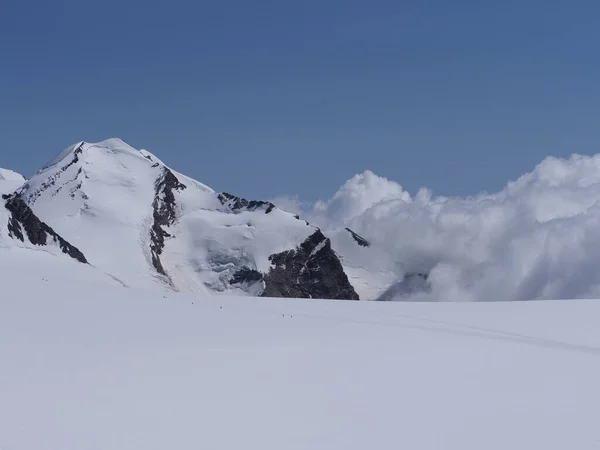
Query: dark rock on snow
x=239, y=203
x=31, y=198
x=359, y=239
x=412, y=283
x=23, y=222
x=163, y=214
x=312, y=270
x=246, y=275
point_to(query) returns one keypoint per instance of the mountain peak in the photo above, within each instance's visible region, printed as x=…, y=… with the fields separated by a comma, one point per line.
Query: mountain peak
x=82, y=148
x=113, y=145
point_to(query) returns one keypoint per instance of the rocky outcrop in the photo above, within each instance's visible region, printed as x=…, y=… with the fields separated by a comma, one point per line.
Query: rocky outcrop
x=249, y=280
x=24, y=223
x=246, y=275
x=412, y=283
x=312, y=270
x=51, y=181
x=163, y=215
x=359, y=239
x=237, y=204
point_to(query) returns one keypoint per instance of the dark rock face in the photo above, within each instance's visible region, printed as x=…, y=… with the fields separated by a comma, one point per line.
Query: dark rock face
x=23, y=222
x=412, y=283
x=311, y=270
x=149, y=158
x=246, y=275
x=51, y=181
x=359, y=239
x=163, y=214
x=240, y=204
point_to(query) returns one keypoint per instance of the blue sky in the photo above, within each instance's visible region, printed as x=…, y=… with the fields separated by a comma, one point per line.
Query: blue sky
x=274, y=97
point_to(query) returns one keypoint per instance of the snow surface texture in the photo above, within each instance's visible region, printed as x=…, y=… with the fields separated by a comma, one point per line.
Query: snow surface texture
x=538, y=238
x=87, y=364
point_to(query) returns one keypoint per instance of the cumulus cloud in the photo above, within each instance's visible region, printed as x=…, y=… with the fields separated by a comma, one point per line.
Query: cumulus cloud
x=538, y=238
x=291, y=204
x=357, y=195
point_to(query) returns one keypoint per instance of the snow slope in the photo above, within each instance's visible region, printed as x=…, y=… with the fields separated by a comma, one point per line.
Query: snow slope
x=9, y=175
x=9, y=180
x=100, y=196
x=87, y=364
x=213, y=244
x=370, y=268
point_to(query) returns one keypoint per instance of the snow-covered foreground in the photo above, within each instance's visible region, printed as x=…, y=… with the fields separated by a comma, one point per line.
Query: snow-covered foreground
x=88, y=364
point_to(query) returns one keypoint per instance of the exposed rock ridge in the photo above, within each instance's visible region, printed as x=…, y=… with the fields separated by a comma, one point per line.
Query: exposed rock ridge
x=239, y=204
x=164, y=215
x=246, y=275
x=312, y=270
x=23, y=222
x=51, y=181
x=359, y=239
x=411, y=283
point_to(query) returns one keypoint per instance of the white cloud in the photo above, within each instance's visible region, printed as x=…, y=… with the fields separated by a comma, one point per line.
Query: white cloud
x=538, y=238
x=358, y=194
x=290, y=203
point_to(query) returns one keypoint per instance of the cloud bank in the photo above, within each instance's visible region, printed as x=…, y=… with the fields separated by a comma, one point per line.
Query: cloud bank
x=538, y=238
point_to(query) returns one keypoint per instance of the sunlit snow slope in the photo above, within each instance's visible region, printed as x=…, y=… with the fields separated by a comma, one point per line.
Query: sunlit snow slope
x=88, y=364
x=9, y=175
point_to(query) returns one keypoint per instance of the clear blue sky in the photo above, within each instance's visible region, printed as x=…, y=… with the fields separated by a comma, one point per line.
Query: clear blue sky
x=273, y=97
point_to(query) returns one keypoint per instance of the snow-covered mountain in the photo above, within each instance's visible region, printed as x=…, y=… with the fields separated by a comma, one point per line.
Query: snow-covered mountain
x=126, y=213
